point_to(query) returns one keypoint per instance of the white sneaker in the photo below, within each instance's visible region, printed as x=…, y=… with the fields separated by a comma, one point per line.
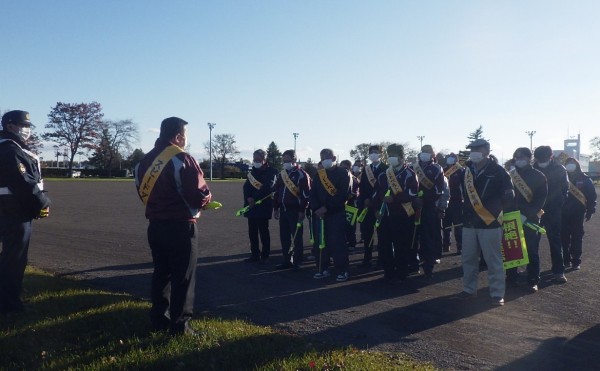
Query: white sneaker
x=321, y=275
x=342, y=277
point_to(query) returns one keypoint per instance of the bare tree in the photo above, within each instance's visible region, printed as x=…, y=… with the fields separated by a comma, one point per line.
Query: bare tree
x=595, y=146
x=74, y=126
x=114, y=137
x=223, y=149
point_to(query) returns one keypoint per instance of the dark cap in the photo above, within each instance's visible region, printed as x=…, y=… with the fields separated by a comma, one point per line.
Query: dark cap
x=395, y=150
x=479, y=143
x=16, y=118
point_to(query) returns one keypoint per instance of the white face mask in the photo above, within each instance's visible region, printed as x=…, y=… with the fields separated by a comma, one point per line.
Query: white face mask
x=327, y=164
x=521, y=163
x=476, y=157
x=374, y=157
x=257, y=165
x=356, y=169
x=287, y=165
x=394, y=161
x=425, y=157
x=24, y=133
x=571, y=167
x=450, y=160
x=543, y=164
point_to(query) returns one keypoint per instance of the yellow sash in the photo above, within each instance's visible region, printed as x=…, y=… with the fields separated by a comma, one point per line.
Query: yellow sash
x=483, y=213
x=397, y=188
x=521, y=185
x=423, y=179
x=370, y=175
x=329, y=187
x=255, y=183
x=451, y=170
x=577, y=194
x=154, y=171
x=288, y=183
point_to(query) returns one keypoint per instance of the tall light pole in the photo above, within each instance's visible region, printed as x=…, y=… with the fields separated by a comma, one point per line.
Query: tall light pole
x=211, y=125
x=295, y=137
x=420, y=138
x=530, y=133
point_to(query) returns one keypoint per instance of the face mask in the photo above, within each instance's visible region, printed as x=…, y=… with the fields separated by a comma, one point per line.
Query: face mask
x=394, y=161
x=287, y=165
x=450, y=160
x=374, y=157
x=425, y=157
x=327, y=164
x=476, y=157
x=521, y=163
x=543, y=164
x=24, y=133
x=356, y=169
x=571, y=167
x=257, y=165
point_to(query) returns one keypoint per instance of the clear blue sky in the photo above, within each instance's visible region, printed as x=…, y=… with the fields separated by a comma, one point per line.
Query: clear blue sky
x=339, y=73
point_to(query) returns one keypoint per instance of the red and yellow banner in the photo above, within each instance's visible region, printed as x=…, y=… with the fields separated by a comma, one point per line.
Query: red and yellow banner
x=514, y=248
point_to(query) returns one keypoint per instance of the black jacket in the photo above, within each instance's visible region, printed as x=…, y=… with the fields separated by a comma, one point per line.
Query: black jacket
x=558, y=185
x=340, y=178
x=267, y=176
x=536, y=181
x=21, y=187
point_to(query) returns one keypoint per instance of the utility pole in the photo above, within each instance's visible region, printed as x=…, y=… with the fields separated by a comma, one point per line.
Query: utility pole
x=530, y=133
x=211, y=125
x=295, y=137
x=420, y=138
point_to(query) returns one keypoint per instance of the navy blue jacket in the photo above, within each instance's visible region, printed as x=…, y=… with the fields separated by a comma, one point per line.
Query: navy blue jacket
x=267, y=176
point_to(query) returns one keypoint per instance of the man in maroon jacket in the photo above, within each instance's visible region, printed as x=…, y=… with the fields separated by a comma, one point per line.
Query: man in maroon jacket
x=171, y=185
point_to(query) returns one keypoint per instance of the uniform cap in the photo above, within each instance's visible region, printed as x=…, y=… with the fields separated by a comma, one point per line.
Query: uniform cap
x=478, y=143
x=16, y=118
x=395, y=150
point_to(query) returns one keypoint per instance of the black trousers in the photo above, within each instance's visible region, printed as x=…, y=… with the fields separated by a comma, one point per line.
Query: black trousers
x=335, y=243
x=15, y=235
x=395, y=245
x=259, y=227
x=367, y=230
x=174, y=246
x=288, y=220
x=571, y=234
x=430, y=237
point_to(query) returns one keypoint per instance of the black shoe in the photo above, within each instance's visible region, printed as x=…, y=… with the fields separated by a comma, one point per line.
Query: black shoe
x=252, y=259
x=365, y=264
x=263, y=261
x=283, y=266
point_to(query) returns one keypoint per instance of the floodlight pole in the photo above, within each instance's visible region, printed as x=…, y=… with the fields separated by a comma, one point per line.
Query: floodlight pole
x=211, y=125
x=530, y=133
x=295, y=137
x=420, y=138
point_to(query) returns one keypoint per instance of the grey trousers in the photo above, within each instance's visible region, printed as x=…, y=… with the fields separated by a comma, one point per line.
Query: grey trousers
x=489, y=242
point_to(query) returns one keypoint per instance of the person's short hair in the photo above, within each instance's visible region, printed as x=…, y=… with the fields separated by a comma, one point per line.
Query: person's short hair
x=16, y=117
x=522, y=151
x=347, y=163
x=395, y=149
x=261, y=153
x=291, y=153
x=427, y=148
x=543, y=153
x=170, y=127
x=327, y=151
x=375, y=147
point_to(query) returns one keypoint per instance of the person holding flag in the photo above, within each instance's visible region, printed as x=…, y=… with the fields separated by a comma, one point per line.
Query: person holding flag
x=367, y=187
x=328, y=197
x=397, y=189
x=580, y=204
x=488, y=191
x=171, y=185
x=453, y=216
x=259, y=186
x=351, y=203
x=292, y=193
x=531, y=189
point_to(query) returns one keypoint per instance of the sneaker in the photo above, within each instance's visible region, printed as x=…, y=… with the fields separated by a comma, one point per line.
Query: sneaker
x=466, y=295
x=560, y=278
x=577, y=267
x=533, y=289
x=311, y=258
x=438, y=261
x=342, y=277
x=283, y=266
x=263, y=261
x=497, y=301
x=321, y=275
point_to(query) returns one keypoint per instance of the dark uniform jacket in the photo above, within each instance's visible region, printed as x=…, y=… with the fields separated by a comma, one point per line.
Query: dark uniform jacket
x=179, y=192
x=267, y=176
x=454, y=185
x=558, y=185
x=21, y=187
x=434, y=172
x=407, y=179
x=495, y=189
x=583, y=182
x=340, y=178
x=284, y=199
x=366, y=190
x=536, y=181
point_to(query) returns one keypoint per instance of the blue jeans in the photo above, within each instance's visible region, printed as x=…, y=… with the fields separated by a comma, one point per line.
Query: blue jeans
x=551, y=221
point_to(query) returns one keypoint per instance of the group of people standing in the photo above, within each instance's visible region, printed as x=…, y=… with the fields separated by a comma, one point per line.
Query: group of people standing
x=413, y=208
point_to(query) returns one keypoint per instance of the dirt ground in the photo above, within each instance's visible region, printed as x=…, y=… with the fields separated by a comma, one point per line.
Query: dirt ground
x=97, y=232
